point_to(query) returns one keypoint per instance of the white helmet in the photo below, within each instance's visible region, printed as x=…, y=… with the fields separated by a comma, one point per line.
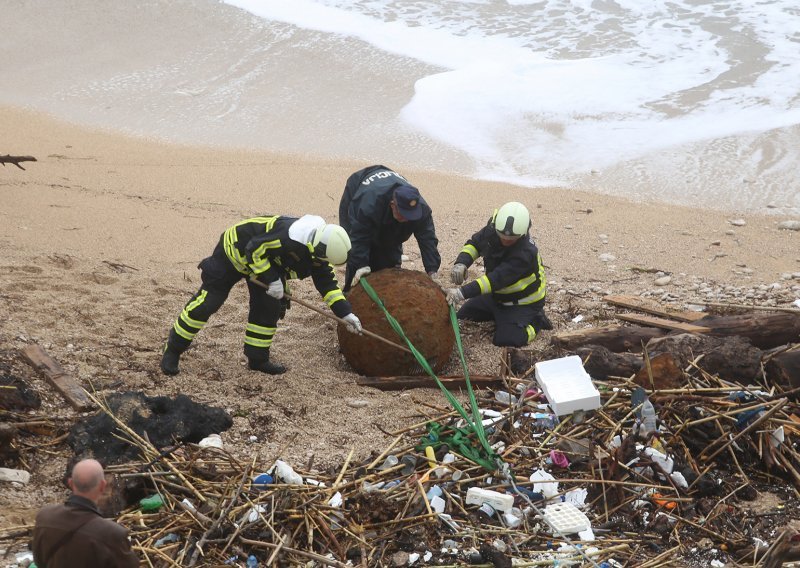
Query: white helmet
x=512, y=220
x=331, y=243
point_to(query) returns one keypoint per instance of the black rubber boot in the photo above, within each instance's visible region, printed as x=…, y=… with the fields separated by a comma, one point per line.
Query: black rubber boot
x=170, y=360
x=267, y=367
x=264, y=365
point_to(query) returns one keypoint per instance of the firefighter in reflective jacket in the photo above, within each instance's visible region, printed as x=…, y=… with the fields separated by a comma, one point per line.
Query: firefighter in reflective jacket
x=512, y=289
x=271, y=250
x=380, y=211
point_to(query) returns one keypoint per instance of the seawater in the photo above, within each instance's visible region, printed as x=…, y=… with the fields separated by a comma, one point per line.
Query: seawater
x=687, y=101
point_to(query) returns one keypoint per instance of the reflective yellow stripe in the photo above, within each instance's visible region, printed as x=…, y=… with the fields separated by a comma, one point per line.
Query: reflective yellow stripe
x=519, y=285
x=260, y=329
x=535, y=297
x=531, y=333
x=333, y=296
x=484, y=284
x=231, y=237
x=229, y=244
x=201, y=297
x=260, y=260
x=523, y=283
x=258, y=342
x=190, y=322
x=471, y=251
x=182, y=332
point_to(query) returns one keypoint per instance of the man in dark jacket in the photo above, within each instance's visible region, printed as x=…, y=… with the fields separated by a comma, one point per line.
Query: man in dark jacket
x=270, y=250
x=75, y=535
x=512, y=289
x=380, y=210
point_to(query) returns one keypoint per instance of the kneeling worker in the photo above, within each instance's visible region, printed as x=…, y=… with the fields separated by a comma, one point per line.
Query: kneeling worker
x=511, y=291
x=270, y=250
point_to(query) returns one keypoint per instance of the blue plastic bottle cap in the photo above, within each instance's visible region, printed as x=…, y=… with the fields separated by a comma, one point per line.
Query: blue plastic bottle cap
x=262, y=481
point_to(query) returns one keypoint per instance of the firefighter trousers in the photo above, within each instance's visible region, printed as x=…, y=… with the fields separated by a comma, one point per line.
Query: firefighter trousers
x=218, y=278
x=515, y=326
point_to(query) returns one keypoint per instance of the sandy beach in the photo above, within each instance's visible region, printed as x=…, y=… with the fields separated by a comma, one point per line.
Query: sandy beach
x=100, y=238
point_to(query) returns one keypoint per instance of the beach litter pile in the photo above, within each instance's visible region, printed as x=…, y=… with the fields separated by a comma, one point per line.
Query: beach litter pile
x=557, y=465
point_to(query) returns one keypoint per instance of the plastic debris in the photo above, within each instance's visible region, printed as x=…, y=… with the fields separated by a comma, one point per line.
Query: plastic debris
x=499, y=501
x=544, y=483
x=567, y=386
x=566, y=518
x=286, y=473
x=211, y=441
x=169, y=538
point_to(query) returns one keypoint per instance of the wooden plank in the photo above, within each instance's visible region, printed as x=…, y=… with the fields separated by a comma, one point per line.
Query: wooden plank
x=663, y=323
x=424, y=381
x=635, y=303
x=617, y=338
x=58, y=379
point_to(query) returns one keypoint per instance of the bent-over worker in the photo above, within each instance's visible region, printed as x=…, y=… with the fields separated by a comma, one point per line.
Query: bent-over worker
x=380, y=210
x=272, y=250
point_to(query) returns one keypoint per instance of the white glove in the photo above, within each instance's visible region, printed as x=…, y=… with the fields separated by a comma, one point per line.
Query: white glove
x=275, y=289
x=353, y=323
x=458, y=274
x=360, y=273
x=454, y=296
x=433, y=275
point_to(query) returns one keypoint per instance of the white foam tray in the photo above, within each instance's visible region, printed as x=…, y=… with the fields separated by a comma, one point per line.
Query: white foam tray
x=567, y=385
x=566, y=518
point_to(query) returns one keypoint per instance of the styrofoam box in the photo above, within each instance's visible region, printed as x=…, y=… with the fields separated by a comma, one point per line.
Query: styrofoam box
x=499, y=501
x=567, y=385
x=566, y=518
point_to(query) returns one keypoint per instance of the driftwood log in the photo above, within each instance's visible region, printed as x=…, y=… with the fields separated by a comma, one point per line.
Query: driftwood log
x=7, y=159
x=732, y=358
x=616, y=338
x=69, y=388
x=602, y=363
x=765, y=330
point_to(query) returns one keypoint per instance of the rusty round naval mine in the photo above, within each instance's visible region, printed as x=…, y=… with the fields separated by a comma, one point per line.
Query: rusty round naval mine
x=419, y=305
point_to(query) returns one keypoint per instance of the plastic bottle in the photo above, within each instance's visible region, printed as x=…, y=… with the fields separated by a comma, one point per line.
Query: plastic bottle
x=409, y=464
x=390, y=461
x=252, y=561
x=648, y=418
x=285, y=473
x=505, y=398
x=152, y=503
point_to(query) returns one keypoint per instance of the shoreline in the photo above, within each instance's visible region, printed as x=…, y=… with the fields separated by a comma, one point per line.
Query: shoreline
x=230, y=183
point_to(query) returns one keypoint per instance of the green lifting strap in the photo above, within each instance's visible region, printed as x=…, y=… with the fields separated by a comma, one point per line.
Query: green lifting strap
x=460, y=438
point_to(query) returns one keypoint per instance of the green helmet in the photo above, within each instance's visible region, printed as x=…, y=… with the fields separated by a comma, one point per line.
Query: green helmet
x=331, y=243
x=512, y=220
